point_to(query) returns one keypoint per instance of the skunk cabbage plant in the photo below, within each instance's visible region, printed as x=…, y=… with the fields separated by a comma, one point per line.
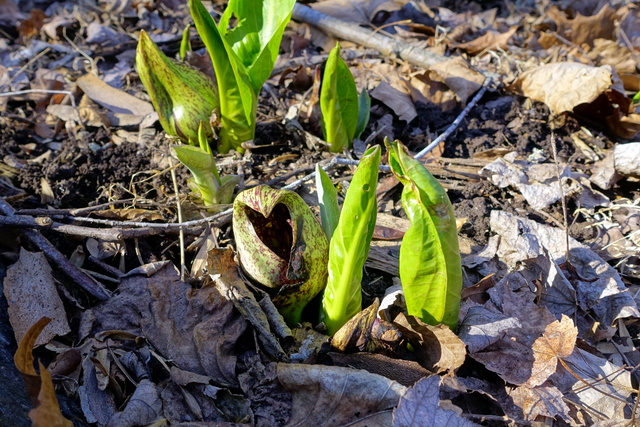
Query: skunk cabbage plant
x=182, y=96
x=281, y=246
x=430, y=268
x=243, y=47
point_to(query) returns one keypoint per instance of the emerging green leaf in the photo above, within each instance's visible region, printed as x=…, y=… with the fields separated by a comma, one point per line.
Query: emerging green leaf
x=185, y=43
x=364, y=111
x=243, y=56
x=338, y=103
x=281, y=245
x=213, y=190
x=182, y=96
x=349, y=246
x=328, y=201
x=430, y=268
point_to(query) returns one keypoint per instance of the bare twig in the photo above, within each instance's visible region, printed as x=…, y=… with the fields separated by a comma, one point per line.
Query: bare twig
x=455, y=123
x=348, y=31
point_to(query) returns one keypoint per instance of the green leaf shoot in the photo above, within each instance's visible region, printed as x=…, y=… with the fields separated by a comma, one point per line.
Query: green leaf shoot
x=430, y=267
x=328, y=201
x=349, y=245
x=243, y=56
x=185, y=43
x=338, y=103
x=364, y=111
x=212, y=189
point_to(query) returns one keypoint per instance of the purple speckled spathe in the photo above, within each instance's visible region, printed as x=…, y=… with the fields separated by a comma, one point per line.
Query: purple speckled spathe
x=280, y=244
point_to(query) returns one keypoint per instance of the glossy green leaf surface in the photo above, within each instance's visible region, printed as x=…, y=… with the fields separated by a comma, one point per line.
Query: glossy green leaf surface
x=338, y=102
x=238, y=102
x=182, y=96
x=430, y=267
x=243, y=49
x=282, y=246
x=328, y=202
x=253, y=29
x=349, y=246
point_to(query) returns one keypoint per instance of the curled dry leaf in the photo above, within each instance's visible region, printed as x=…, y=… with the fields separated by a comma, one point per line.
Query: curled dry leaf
x=355, y=335
x=594, y=92
x=47, y=412
x=226, y=277
x=437, y=347
x=329, y=395
x=489, y=40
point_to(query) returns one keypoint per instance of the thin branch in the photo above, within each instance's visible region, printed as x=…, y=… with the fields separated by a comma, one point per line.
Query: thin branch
x=383, y=44
x=456, y=122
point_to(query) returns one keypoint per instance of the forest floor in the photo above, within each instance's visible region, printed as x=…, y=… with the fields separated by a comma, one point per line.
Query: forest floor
x=534, y=100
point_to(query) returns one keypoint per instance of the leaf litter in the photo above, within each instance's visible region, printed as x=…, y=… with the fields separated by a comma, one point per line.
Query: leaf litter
x=548, y=325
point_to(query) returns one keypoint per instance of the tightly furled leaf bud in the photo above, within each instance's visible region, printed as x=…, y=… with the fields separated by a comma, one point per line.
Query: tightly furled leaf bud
x=182, y=96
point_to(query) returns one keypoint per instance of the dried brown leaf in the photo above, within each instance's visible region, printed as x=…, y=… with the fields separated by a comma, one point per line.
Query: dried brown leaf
x=419, y=406
x=115, y=100
x=47, y=413
x=540, y=401
x=23, y=358
x=585, y=29
x=399, y=102
x=143, y=408
x=595, y=384
x=198, y=329
x=329, y=395
x=437, y=347
x=31, y=293
x=40, y=387
x=459, y=77
x=489, y=40
x=564, y=85
x=557, y=341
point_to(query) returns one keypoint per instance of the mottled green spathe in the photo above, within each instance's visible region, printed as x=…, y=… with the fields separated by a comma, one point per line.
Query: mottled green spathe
x=182, y=96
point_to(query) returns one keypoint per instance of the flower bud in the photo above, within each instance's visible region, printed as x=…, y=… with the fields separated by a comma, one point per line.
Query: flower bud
x=282, y=246
x=182, y=96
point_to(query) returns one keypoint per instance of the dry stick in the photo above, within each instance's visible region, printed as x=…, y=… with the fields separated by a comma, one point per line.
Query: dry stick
x=455, y=123
x=50, y=251
x=351, y=32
